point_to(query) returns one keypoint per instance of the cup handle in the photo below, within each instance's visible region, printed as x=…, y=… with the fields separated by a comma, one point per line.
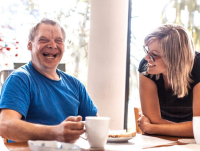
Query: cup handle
x=83, y=122
x=84, y=137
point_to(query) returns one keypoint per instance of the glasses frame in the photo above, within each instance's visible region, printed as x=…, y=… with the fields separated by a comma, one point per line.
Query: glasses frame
x=150, y=56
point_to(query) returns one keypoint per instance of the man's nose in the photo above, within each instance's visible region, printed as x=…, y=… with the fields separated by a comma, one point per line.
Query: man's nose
x=52, y=44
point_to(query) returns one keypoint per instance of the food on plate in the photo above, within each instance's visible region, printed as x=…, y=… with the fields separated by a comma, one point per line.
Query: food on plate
x=128, y=134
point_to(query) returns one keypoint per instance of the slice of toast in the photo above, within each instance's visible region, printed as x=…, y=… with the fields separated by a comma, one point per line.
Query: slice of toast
x=128, y=134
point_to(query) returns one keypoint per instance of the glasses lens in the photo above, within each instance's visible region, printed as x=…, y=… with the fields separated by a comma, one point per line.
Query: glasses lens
x=147, y=52
x=151, y=58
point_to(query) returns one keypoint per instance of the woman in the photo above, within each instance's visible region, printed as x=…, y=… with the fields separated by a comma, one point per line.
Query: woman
x=169, y=82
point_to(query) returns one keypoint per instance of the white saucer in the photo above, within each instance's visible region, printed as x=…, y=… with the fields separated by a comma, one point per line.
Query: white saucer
x=120, y=139
x=52, y=146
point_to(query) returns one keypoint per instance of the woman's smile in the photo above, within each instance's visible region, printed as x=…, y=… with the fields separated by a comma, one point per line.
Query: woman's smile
x=150, y=65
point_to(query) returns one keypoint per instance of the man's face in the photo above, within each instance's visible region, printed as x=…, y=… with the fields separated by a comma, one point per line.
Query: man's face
x=47, y=48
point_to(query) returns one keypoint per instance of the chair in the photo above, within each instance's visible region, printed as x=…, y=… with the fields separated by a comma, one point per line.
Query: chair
x=136, y=111
x=5, y=140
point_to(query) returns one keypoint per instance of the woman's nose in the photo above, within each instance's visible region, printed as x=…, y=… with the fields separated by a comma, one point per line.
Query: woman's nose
x=147, y=57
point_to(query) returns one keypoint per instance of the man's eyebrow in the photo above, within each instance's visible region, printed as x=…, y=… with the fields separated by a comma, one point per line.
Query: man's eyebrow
x=42, y=37
x=59, y=38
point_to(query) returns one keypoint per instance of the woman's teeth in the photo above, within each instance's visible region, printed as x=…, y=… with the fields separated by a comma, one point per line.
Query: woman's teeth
x=151, y=65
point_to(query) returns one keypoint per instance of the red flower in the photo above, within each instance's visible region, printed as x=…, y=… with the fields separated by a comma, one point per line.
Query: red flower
x=16, y=47
x=6, y=64
x=1, y=39
x=16, y=55
x=8, y=48
x=17, y=42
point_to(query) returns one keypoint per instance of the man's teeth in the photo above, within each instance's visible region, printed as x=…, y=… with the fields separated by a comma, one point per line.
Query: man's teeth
x=49, y=56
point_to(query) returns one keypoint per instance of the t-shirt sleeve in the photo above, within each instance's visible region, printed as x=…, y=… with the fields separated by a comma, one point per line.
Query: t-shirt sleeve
x=143, y=70
x=15, y=95
x=87, y=107
x=142, y=66
x=196, y=69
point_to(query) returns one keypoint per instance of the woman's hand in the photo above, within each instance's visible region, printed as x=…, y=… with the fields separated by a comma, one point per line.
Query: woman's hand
x=144, y=123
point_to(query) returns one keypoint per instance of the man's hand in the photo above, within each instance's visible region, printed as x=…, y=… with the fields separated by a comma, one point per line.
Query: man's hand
x=70, y=129
x=144, y=123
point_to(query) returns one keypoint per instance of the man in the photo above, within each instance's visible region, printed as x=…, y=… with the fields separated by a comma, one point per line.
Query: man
x=40, y=102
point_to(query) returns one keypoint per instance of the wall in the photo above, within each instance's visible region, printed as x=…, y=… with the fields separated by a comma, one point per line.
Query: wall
x=107, y=58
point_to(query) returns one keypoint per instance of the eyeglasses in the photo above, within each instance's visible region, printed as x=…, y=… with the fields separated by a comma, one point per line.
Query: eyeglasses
x=150, y=56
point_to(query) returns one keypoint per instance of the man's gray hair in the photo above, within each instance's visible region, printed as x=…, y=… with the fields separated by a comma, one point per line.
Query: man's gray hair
x=44, y=21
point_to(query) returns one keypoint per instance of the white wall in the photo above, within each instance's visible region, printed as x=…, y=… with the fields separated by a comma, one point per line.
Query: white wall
x=107, y=58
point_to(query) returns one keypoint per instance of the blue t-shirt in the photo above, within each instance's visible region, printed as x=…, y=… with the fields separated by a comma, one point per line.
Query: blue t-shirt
x=41, y=100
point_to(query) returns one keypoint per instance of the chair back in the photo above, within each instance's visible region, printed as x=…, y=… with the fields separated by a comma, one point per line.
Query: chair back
x=136, y=112
x=5, y=140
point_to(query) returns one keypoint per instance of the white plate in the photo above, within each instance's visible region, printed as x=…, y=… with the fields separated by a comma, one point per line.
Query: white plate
x=52, y=146
x=120, y=139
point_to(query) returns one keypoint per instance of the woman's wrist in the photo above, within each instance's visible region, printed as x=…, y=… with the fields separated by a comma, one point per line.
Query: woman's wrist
x=149, y=128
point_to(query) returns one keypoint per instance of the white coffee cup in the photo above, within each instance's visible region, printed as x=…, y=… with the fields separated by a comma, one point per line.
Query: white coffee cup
x=97, y=129
x=196, y=128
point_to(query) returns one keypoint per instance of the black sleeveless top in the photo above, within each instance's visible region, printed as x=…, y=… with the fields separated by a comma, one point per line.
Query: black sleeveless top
x=173, y=108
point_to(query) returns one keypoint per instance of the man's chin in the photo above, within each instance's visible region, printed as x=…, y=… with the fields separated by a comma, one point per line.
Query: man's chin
x=50, y=66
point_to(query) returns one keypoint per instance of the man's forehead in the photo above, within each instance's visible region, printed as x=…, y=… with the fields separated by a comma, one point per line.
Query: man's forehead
x=48, y=28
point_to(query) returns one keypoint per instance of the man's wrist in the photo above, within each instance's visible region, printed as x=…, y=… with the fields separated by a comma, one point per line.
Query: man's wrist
x=46, y=132
x=53, y=133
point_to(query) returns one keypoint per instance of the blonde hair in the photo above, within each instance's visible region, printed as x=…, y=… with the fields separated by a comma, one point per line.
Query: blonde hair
x=177, y=51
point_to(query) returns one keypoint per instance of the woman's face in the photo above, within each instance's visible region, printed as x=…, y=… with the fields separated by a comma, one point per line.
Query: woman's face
x=159, y=65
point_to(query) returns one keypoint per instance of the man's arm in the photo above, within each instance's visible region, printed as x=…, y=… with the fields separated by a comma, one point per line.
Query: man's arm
x=152, y=122
x=13, y=128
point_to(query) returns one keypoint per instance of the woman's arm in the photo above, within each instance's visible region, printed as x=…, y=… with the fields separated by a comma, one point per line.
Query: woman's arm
x=149, y=100
x=183, y=129
x=152, y=121
x=196, y=100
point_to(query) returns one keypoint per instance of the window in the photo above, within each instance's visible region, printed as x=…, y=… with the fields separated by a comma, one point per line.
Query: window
x=146, y=16
x=17, y=17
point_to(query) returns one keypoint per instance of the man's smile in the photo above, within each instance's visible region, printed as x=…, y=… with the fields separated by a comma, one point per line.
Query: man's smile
x=50, y=56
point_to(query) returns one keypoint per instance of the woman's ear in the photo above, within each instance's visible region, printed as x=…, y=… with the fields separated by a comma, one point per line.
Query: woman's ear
x=29, y=46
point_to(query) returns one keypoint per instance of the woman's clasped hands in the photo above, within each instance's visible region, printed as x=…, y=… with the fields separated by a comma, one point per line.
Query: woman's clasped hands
x=144, y=123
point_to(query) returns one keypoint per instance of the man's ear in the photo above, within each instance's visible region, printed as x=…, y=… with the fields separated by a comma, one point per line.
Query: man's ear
x=29, y=46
